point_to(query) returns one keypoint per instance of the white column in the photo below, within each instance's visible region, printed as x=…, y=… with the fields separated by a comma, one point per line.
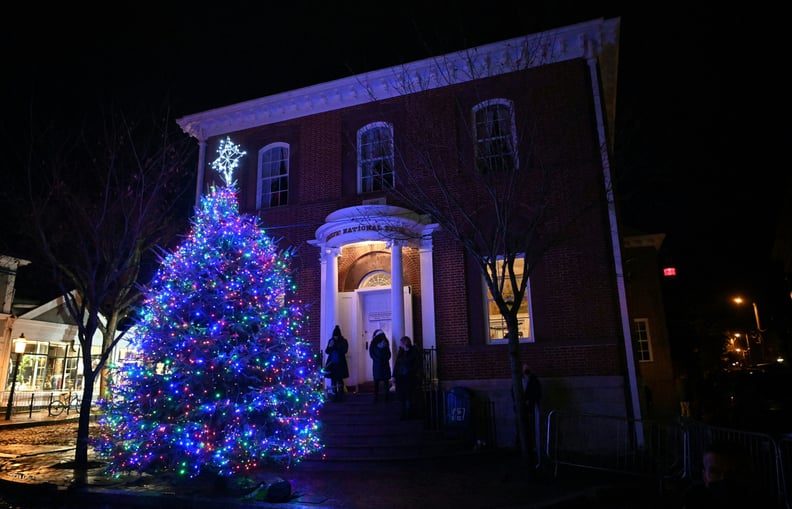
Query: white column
x=199, y=182
x=425, y=255
x=397, y=292
x=329, y=297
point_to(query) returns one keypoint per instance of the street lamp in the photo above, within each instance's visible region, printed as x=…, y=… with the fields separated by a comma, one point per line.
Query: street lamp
x=19, y=349
x=739, y=300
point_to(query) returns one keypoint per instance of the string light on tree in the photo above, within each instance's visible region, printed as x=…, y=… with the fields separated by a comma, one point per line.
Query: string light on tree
x=225, y=383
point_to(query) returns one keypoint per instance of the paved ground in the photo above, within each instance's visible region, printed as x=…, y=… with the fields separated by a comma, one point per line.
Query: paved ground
x=32, y=463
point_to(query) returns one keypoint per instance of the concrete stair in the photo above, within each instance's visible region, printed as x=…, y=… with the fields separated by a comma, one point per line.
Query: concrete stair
x=358, y=430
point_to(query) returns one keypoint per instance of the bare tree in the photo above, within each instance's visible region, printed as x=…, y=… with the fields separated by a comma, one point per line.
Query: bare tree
x=507, y=196
x=99, y=205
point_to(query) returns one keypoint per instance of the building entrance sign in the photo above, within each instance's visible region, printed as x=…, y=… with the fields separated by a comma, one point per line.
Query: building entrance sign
x=369, y=223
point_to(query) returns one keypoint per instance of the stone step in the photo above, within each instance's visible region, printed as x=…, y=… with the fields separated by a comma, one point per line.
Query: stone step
x=357, y=430
x=406, y=432
x=337, y=457
x=350, y=409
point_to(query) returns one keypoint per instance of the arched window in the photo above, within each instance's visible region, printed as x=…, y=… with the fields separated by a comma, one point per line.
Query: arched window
x=496, y=136
x=376, y=279
x=375, y=157
x=273, y=176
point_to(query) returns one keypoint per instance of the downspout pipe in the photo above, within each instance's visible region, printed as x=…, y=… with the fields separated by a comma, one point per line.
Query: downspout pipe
x=632, y=377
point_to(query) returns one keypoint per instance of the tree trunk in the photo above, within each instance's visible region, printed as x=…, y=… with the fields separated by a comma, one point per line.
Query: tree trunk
x=81, y=451
x=526, y=449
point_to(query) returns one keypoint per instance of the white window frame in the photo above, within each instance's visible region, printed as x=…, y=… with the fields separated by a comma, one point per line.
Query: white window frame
x=495, y=323
x=488, y=138
x=265, y=179
x=642, y=338
x=367, y=180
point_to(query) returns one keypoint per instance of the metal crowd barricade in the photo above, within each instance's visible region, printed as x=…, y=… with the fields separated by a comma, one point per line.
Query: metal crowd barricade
x=615, y=444
x=764, y=454
x=663, y=451
x=785, y=467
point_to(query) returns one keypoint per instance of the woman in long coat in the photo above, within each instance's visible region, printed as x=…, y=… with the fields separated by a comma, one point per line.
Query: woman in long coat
x=336, y=368
x=380, y=354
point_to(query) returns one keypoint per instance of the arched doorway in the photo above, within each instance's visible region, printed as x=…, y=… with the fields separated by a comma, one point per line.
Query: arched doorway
x=373, y=237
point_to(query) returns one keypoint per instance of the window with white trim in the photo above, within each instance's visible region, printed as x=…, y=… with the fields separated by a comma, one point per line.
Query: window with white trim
x=375, y=157
x=642, y=340
x=495, y=135
x=495, y=321
x=273, y=176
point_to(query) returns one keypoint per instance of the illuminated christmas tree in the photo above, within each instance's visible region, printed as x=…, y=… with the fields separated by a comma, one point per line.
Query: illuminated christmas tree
x=223, y=382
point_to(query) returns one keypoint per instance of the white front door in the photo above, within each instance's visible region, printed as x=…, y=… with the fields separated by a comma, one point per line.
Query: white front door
x=362, y=312
x=375, y=313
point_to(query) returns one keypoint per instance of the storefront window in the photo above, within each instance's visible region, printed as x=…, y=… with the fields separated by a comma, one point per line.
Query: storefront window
x=48, y=366
x=32, y=367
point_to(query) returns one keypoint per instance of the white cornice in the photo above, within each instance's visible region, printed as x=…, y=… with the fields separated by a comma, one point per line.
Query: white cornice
x=583, y=40
x=12, y=263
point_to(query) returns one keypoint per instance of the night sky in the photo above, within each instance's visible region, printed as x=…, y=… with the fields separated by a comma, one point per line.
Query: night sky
x=703, y=100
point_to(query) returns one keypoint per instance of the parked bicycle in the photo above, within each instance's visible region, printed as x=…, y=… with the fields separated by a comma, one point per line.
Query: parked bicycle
x=65, y=401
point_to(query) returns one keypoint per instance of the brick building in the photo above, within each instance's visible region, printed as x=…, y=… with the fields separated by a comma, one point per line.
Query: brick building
x=321, y=167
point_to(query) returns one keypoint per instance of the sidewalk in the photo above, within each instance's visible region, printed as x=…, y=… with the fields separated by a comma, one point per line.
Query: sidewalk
x=485, y=479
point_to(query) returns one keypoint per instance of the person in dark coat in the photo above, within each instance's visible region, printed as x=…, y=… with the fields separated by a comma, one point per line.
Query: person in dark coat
x=380, y=354
x=336, y=368
x=532, y=396
x=406, y=374
x=532, y=390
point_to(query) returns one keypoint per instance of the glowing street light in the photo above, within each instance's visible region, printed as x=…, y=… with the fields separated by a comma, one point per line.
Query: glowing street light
x=758, y=337
x=740, y=300
x=740, y=355
x=19, y=349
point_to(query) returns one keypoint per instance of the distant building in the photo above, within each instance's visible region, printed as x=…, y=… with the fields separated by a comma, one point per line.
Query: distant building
x=321, y=160
x=52, y=359
x=644, y=283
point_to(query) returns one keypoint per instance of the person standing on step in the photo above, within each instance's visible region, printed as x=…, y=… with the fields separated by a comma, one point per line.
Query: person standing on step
x=380, y=353
x=406, y=375
x=336, y=368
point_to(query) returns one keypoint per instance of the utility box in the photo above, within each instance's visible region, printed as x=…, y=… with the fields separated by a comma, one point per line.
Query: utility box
x=458, y=418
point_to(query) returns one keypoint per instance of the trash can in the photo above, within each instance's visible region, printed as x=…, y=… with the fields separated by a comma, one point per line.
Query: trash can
x=458, y=418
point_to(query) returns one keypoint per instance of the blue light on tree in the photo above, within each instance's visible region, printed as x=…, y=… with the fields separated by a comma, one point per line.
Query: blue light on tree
x=224, y=382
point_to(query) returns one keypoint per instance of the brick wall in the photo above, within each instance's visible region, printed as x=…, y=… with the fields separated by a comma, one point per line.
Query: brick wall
x=575, y=306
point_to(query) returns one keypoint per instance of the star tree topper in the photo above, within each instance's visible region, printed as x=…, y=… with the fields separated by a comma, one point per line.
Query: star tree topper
x=228, y=160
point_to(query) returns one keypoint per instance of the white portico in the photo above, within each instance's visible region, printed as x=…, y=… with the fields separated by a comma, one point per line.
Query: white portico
x=386, y=303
